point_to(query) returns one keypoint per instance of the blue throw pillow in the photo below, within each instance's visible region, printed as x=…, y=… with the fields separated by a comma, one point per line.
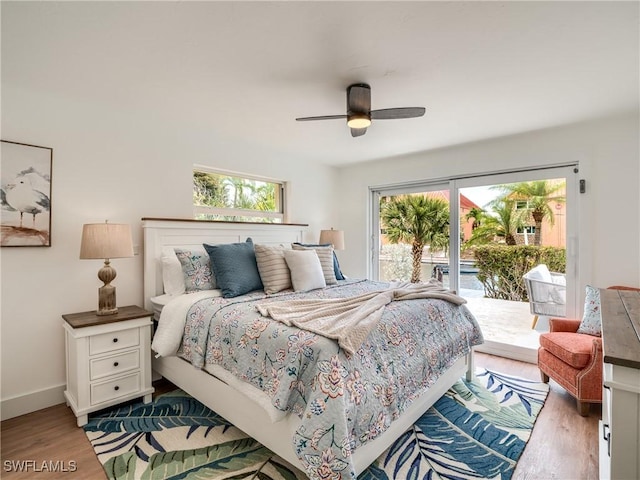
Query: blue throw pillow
x=336, y=265
x=235, y=268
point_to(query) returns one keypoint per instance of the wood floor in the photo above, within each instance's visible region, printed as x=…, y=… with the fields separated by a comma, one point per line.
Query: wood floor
x=563, y=446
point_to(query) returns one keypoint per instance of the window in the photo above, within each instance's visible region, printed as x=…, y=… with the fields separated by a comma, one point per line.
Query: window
x=531, y=229
x=236, y=197
x=522, y=204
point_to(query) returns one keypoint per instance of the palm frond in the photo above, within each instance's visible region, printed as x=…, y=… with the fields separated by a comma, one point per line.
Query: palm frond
x=166, y=412
x=230, y=456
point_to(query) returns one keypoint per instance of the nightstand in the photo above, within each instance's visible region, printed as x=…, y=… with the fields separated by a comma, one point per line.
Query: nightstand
x=108, y=359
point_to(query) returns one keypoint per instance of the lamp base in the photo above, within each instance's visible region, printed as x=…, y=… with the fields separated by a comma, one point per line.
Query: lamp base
x=107, y=292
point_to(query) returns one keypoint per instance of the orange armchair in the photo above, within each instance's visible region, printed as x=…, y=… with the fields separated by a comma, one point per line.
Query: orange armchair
x=573, y=360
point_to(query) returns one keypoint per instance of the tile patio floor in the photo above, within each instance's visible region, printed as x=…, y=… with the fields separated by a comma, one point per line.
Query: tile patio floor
x=506, y=327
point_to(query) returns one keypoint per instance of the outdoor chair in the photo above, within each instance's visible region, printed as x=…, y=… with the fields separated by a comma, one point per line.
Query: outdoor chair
x=547, y=292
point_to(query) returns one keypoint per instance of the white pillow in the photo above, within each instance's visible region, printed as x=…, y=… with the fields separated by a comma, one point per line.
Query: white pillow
x=172, y=277
x=325, y=254
x=306, y=271
x=559, y=291
x=274, y=273
x=540, y=272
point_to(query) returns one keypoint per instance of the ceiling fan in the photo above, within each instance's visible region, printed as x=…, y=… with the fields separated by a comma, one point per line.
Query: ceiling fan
x=359, y=114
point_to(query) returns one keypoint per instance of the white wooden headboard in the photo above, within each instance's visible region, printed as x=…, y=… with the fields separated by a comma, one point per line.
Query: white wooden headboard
x=159, y=233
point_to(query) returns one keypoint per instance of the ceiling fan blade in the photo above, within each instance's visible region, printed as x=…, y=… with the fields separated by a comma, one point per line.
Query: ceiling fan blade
x=323, y=117
x=358, y=132
x=393, y=113
x=358, y=98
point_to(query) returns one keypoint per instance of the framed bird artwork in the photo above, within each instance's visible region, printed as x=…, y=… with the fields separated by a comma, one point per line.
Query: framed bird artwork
x=25, y=195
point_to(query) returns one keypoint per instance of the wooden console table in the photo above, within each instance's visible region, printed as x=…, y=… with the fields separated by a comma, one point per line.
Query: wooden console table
x=620, y=425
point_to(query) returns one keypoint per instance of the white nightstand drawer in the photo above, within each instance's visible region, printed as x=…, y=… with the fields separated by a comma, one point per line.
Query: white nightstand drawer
x=114, y=364
x=120, y=387
x=108, y=342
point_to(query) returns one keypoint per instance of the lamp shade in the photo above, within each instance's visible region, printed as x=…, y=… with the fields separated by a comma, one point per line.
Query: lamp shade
x=334, y=237
x=106, y=240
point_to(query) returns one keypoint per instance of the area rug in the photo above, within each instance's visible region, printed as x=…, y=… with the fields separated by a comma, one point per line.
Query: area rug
x=477, y=430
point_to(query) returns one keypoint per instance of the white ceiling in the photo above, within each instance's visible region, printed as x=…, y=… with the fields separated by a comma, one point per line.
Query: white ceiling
x=246, y=70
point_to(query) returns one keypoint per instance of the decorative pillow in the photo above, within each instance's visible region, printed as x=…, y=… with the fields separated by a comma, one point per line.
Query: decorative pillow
x=559, y=291
x=336, y=266
x=325, y=254
x=273, y=269
x=235, y=268
x=306, y=270
x=592, y=319
x=196, y=269
x=172, y=277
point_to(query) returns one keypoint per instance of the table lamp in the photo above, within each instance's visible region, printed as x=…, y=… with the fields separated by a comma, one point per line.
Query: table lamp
x=106, y=241
x=334, y=237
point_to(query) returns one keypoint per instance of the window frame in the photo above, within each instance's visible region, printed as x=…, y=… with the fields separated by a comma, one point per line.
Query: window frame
x=242, y=214
x=528, y=229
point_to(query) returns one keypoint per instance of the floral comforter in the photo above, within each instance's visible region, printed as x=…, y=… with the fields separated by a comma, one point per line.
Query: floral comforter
x=343, y=400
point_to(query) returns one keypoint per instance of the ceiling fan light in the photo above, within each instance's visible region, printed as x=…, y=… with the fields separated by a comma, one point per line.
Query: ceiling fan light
x=359, y=121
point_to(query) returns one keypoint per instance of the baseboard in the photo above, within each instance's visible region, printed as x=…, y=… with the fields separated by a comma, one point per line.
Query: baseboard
x=30, y=402
x=513, y=352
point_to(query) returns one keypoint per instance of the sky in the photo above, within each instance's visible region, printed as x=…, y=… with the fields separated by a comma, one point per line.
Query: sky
x=480, y=195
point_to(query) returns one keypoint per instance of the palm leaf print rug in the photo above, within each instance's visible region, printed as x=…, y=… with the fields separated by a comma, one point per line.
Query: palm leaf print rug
x=477, y=430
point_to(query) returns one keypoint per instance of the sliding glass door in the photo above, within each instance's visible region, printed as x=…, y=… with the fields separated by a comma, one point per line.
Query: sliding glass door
x=462, y=230
x=411, y=232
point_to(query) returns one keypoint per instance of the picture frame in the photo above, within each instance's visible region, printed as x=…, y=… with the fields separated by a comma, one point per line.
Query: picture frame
x=25, y=195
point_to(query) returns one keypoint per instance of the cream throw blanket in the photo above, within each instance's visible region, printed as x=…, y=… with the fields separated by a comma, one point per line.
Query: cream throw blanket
x=349, y=320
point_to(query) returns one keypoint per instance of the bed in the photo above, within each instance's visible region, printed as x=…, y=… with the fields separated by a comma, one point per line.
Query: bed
x=291, y=424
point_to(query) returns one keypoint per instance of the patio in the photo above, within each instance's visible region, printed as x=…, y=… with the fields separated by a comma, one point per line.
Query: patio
x=506, y=327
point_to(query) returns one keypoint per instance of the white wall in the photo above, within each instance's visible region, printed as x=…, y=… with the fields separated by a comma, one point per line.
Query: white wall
x=116, y=163
x=607, y=151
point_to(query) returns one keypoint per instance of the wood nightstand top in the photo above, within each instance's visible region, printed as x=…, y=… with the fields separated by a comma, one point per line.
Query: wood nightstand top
x=90, y=319
x=621, y=327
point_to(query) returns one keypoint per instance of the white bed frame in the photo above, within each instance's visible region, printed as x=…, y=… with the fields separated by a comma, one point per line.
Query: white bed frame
x=238, y=409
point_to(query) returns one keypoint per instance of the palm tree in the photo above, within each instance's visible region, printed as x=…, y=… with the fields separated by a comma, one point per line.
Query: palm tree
x=208, y=190
x=239, y=187
x=538, y=194
x=477, y=214
x=417, y=220
x=265, y=194
x=503, y=222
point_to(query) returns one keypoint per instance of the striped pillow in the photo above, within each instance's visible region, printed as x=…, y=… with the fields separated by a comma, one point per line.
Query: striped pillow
x=273, y=268
x=325, y=254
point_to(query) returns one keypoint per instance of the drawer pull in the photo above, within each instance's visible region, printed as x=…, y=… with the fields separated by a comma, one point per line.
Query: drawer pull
x=606, y=436
x=115, y=340
x=115, y=364
x=116, y=388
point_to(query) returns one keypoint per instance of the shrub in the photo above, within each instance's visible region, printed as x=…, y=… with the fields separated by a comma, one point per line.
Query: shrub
x=501, y=267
